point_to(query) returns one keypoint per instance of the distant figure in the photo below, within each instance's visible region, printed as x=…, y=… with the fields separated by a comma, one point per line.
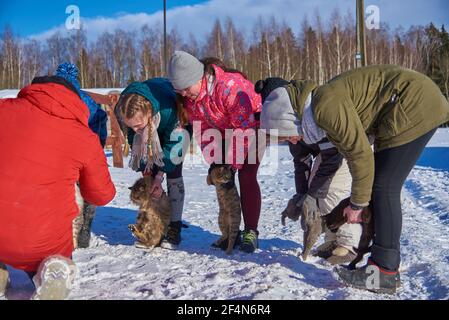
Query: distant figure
x=48, y=148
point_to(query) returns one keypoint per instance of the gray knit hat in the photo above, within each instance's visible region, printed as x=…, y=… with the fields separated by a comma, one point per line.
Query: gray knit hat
x=277, y=113
x=184, y=70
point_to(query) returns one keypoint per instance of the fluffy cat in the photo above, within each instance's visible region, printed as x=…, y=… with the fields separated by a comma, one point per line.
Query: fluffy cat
x=154, y=214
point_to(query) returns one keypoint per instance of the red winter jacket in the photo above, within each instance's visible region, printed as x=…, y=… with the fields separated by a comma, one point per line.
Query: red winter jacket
x=46, y=147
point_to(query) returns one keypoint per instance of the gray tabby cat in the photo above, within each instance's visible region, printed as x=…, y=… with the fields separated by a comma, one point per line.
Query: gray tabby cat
x=229, y=216
x=154, y=214
x=311, y=224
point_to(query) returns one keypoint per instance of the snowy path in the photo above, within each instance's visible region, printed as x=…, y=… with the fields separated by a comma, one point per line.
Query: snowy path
x=113, y=269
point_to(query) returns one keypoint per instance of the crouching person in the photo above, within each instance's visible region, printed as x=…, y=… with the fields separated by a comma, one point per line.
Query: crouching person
x=322, y=177
x=50, y=148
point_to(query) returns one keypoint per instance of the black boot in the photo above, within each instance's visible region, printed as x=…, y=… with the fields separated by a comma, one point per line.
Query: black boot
x=174, y=233
x=224, y=244
x=371, y=278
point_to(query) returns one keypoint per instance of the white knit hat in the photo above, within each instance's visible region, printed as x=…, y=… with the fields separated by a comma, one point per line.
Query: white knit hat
x=184, y=70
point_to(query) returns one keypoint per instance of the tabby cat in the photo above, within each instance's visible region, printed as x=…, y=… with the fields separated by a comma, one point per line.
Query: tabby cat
x=229, y=216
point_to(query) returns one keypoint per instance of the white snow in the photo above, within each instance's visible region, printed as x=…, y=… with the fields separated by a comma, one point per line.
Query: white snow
x=4, y=94
x=112, y=268
x=12, y=93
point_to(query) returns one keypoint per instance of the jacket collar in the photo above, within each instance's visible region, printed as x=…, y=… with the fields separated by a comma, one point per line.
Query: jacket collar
x=298, y=91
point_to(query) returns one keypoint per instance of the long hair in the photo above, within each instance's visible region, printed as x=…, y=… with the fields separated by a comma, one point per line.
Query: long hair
x=208, y=63
x=130, y=104
x=209, y=69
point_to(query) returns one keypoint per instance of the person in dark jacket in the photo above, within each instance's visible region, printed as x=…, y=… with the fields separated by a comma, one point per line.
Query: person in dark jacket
x=322, y=178
x=159, y=144
x=400, y=110
x=50, y=148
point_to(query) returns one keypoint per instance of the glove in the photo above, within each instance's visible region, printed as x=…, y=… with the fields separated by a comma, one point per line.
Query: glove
x=294, y=208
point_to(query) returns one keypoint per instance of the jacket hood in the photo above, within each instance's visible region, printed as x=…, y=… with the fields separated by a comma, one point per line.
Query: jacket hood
x=298, y=91
x=142, y=89
x=56, y=100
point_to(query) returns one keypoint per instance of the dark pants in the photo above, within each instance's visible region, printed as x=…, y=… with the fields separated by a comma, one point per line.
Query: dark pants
x=250, y=195
x=392, y=166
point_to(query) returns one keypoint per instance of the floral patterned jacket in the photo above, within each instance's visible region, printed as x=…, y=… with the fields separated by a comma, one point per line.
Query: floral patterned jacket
x=226, y=101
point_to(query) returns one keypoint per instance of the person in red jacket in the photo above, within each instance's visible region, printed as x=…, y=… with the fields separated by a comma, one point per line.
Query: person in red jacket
x=47, y=148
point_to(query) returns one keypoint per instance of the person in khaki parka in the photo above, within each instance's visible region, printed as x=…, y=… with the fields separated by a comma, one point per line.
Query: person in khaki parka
x=399, y=109
x=322, y=180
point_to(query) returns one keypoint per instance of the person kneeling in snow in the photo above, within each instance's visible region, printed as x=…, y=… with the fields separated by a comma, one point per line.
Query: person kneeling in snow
x=48, y=147
x=322, y=177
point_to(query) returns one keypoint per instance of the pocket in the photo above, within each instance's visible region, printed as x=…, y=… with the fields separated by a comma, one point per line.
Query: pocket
x=393, y=122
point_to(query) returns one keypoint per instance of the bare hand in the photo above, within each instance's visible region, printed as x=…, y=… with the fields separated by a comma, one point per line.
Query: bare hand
x=352, y=216
x=113, y=98
x=156, y=189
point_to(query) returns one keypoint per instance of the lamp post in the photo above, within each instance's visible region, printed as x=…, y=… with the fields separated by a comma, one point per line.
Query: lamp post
x=165, y=38
x=360, y=57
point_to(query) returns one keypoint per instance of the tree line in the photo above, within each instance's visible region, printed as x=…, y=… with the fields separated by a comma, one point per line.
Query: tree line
x=318, y=50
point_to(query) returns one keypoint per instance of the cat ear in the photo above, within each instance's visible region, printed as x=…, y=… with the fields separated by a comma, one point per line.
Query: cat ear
x=209, y=180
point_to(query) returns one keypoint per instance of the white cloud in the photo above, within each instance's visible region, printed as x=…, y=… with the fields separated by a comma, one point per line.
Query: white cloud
x=199, y=19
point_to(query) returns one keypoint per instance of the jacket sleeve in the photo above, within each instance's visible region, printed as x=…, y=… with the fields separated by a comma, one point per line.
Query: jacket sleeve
x=239, y=107
x=96, y=185
x=345, y=130
x=302, y=159
x=331, y=161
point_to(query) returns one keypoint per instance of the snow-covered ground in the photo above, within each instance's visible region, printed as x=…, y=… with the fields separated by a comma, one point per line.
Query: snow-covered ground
x=112, y=268
x=12, y=93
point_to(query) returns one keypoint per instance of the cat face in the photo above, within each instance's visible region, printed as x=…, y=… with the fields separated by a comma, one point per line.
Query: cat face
x=140, y=190
x=220, y=175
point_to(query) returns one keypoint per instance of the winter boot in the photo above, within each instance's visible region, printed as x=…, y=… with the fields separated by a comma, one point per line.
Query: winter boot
x=224, y=244
x=372, y=278
x=325, y=250
x=341, y=255
x=54, y=278
x=249, y=241
x=174, y=233
x=4, y=279
x=84, y=233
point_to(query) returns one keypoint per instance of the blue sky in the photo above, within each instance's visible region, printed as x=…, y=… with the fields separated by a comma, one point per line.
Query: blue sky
x=30, y=16
x=42, y=18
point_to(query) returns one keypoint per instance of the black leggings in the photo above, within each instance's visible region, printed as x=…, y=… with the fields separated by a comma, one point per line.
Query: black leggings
x=392, y=166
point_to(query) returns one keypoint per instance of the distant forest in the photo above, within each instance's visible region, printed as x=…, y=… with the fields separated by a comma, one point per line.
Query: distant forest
x=317, y=50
